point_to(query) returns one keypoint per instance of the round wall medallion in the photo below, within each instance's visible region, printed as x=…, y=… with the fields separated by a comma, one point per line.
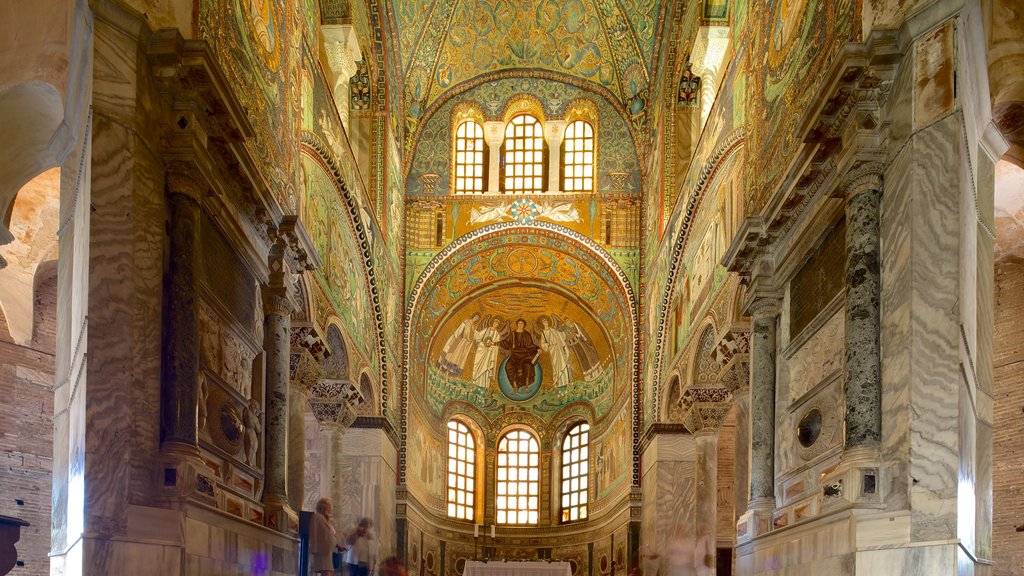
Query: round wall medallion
x=818, y=426
x=808, y=429
x=224, y=422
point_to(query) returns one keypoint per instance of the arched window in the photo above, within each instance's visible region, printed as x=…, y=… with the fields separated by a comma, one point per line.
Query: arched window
x=461, y=471
x=469, y=158
x=523, y=156
x=518, y=478
x=578, y=160
x=575, y=473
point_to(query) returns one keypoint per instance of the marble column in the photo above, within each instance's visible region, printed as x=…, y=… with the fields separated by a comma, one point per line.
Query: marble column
x=757, y=519
x=277, y=308
x=180, y=390
x=494, y=134
x=862, y=370
x=554, y=132
x=762, y=407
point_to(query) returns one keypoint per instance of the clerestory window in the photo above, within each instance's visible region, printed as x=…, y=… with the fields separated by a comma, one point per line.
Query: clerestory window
x=523, y=156
x=578, y=157
x=518, y=478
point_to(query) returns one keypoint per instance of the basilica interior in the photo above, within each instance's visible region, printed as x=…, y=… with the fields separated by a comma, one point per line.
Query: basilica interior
x=624, y=286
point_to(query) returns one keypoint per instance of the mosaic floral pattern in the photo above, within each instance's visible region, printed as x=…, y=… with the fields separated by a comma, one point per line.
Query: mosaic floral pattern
x=793, y=44
x=254, y=42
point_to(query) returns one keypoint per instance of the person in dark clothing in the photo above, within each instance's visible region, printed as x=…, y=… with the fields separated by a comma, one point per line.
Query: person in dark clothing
x=523, y=354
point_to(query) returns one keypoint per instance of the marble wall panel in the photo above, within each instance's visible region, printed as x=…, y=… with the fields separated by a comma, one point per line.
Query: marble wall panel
x=896, y=334
x=369, y=472
x=917, y=561
x=126, y=242
x=669, y=540
x=934, y=370
x=218, y=544
x=824, y=547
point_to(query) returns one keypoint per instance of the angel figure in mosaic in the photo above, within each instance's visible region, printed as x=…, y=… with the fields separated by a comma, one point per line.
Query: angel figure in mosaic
x=553, y=341
x=456, y=348
x=582, y=347
x=488, y=339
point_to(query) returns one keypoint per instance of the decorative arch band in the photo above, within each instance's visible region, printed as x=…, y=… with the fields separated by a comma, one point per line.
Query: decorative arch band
x=319, y=153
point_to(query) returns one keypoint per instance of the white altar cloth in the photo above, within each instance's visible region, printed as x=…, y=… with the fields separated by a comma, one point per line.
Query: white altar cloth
x=499, y=568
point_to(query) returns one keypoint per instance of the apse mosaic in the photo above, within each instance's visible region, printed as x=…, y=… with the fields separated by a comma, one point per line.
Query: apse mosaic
x=527, y=345
x=616, y=153
x=528, y=319
x=792, y=46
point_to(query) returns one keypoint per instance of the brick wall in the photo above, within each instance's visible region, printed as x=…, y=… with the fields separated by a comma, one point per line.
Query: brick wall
x=26, y=431
x=1008, y=433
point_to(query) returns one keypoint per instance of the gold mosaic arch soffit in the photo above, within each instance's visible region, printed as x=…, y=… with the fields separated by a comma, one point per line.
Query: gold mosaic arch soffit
x=462, y=248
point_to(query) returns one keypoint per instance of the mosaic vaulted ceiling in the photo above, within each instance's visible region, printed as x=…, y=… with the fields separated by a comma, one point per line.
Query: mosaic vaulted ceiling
x=443, y=43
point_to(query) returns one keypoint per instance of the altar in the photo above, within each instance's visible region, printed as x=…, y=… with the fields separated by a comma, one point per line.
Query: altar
x=502, y=568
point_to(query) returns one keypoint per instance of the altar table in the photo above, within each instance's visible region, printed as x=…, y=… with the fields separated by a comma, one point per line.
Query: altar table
x=499, y=568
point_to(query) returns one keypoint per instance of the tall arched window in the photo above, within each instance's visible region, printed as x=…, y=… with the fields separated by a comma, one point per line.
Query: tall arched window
x=461, y=471
x=578, y=159
x=576, y=473
x=518, y=478
x=469, y=158
x=523, y=156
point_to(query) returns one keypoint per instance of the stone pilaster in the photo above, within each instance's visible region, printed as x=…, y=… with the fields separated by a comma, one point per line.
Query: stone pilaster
x=757, y=519
x=304, y=373
x=862, y=370
x=554, y=132
x=706, y=499
x=277, y=309
x=180, y=390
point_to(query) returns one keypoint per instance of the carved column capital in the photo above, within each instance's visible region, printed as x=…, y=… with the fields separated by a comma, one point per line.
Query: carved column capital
x=554, y=132
x=705, y=408
x=304, y=371
x=494, y=133
x=306, y=335
x=276, y=300
x=300, y=253
x=331, y=402
x=763, y=307
x=866, y=176
x=184, y=178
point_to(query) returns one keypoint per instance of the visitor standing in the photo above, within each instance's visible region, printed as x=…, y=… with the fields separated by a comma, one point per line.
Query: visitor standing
x=323, y=539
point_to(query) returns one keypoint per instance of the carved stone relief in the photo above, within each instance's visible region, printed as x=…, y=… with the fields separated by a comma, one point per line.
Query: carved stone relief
x=820, y=357
x=223, y=353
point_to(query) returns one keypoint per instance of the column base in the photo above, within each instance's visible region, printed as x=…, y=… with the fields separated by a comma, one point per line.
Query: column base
x=279, y=515
x=184, y=475
x=756, y=521
x=854, y=482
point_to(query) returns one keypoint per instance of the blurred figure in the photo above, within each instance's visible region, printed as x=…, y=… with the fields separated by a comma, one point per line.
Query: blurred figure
x=392, y=566
x=323, y=539
x=357, y=556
